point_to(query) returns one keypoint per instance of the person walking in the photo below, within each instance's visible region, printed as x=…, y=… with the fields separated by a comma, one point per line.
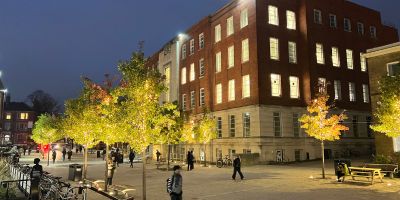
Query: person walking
x=188, y=158
x=131, y=158
x=54, y=156
x=69, y=154
x=64, y=152
x=36, y=174
x=24, y=149
x=236, y=168
x=174, y=184
x=110, y=172
x=158, y=154
x=191, y=161
x=104, y=154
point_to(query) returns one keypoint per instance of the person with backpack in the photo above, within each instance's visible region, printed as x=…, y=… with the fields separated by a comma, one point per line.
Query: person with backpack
x=174, y=184
x=236, y=168
x=69, y=154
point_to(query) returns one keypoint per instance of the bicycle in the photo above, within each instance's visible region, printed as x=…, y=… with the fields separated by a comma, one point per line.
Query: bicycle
x=226, y=162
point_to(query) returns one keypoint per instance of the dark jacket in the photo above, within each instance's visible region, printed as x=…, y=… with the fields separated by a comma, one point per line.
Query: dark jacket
x=237, y=163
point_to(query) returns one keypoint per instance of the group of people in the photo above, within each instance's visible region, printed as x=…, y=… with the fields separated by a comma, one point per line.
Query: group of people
x=64, y=153
x=190, y=160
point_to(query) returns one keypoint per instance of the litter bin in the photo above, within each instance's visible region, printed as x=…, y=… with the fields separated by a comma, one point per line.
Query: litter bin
x=75, y=172
x=338, y=161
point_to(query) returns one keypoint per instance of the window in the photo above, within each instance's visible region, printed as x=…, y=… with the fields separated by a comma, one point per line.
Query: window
x=201, y=40
x=183, y=51
x=360, y=28
x=192, y=73
x=244, y=18
x=319, y=51
x=294, y=87
x=297, y=155
x=335, y=57
x=372, y=31
x=338, y=89
x=232, y=124
x=393, y=68
x=292, y=52
x=218, y=62
x=273, y=17
x=184, y=102
x=246, y=86
x=277, y=124
x=275, y=85
x=229, y=26
x=246, y=124
x=231, y=90
x=22, y=126
x=322, y=85
x=396, y=144
x=245, y=50
x=201, y=67
x=219, y=127
x=355, y=126
x=167, y=74
x=23, y=116
x=349, y=58
x=191, y=46
x=332, y=21
x=183, y=76
x=217, y=33
x=347, y=25
x=369, y=123
x=218, y=91
x=317, y=16
x=365, y=89
x=274, y=48
x=290, y=20
x=296, y=125
x=352, y=92
x=7, y=126
x=8, y=116
x=192, y=99
x=363, y=63
x=202, y=97
x=231, y=56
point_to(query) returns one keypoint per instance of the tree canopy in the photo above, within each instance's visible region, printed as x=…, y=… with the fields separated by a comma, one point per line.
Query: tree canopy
x=47, y=129
x=42, y=103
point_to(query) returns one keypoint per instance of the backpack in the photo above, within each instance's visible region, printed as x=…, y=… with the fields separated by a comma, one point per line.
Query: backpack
x=170, y=183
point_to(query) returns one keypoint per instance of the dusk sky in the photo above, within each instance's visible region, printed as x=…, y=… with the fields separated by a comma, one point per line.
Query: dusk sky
x=48, y=45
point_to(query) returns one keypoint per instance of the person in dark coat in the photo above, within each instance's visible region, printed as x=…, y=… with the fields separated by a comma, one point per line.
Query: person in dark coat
x=191, y=160
x=131, y=158
x=104, y=154
x=158, y=154
x=54, y=156
x=188, y=158
x=236, y=168
x=175, y=184
x=64, y=152
x=69, y=154
x=36, y=173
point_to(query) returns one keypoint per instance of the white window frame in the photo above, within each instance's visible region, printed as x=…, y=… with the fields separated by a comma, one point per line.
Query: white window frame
x=292, y=48
x=372, y=31
x=192, y=72
x=337, y=85
x=273, y=15
x=322, y=85
x=246, y=119
x=365, y=89
x=244, y=18
x=274, y=48
x=290, y=20
x=231, y=90
x=335, y=57
x=230, y=29
x=246, y=86
x=245, y=50
x=276, y=85
x=352, y=92
x=201, y=41
x=389, y=69
x=184, y=51
x=360, y=28
x=218, y=60
x=183, y=76
x=202, y=70
x=192, y=99
x=294, y=87
x=347, y=21
x=349, y=59
x=332, y=21
x=202, y=96
x=218, y=93
x=183, y=102
x=191, y=47
x=319, y=53
x=231, y=56
x=319, y=14
x=217, y=30
x=363, y=63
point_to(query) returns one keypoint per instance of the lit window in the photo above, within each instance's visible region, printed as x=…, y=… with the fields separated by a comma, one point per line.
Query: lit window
x=244, y=18
x=218, y=62
x=229, y=26
x=246, y=124
x=349, y=58
x=231, y=90
x=245, y=50
x=191, y=46
x=275, y=85
x=338, y=89
x=294, y=87
x=320, y=53
x=363, y=63
x=217, y=33
x=372, y=31
x=201, y=67
x=332, y=21
x=292, y=52
x=246, y=86
x=8, y=116
x=335, y=57
x=322, y=85
x=192, y=99
x=360, y=28
x=231, y=56
x=365, y=89
x=347, y=25
x=274, y=48
x=201, y=40
x=393, y=69
x=218, y=91
x=273, y=17
x=192, y=72
x=183, y=76
x=277, y=124
x=23, y=116
x=352, y=92
x=184, y=102
x=290, y=20
x=317, y=16
x=183, y=51
x=232, y=124
x=202, y=97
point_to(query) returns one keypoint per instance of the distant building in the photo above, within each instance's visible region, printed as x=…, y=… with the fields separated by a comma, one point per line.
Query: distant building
x=383, y=61
x=18, y=120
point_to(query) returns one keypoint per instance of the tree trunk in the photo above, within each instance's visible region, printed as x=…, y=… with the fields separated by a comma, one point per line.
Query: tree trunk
x=85, y=166
x=144, y=175
x=106, y=171
x=323, y=159
x=169, y=156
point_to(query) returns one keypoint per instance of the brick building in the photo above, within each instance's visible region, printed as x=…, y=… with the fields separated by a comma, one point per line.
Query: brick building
x=256, y=63
x=383, y=61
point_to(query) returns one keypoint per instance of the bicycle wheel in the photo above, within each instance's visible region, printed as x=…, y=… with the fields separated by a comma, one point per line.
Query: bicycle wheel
x=229, y=163
x=219, y=163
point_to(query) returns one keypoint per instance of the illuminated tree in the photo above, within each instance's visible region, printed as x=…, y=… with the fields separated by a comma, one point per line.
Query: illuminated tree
x=47, y=129
x=318, y=124
x=388, y=109
x=205, y=130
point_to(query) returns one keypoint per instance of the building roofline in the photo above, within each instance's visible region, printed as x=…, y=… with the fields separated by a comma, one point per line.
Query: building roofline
x=382, y=50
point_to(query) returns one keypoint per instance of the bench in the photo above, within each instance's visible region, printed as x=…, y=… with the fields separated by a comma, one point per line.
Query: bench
x=390, y=169
x=369, y=173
